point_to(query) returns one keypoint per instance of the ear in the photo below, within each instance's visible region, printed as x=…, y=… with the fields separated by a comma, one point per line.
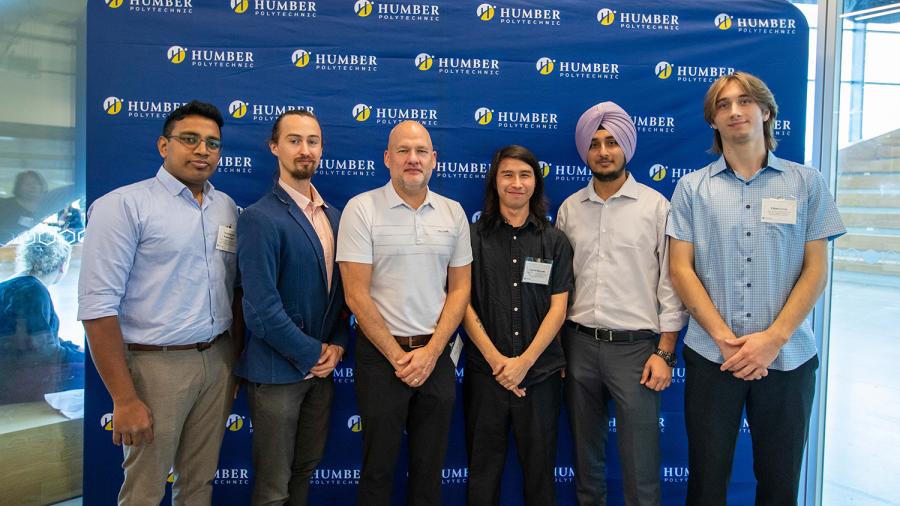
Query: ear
x=273, y=147
x=162, y=144
x=766, y=114
x=713, y=126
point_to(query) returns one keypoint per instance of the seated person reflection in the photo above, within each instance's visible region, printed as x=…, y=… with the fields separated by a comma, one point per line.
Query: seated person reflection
x=33, y=359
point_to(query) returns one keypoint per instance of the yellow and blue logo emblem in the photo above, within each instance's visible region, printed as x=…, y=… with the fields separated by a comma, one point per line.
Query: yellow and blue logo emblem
x=234, y=422
x=106, y=421
x=300, y=58
x=362, y=8
x=658, y=172
x=424, y=61
x=176, y=54
x=723, y=21
x=545, y=168
x=606, y=16
x=361, y=112
x=112, y=105
x=485, y=12
x=113, y=4
x=354, y=423
x=545, y=66
x=237, y=109
x=484, y=116
x=663, y=70
x=240, y=6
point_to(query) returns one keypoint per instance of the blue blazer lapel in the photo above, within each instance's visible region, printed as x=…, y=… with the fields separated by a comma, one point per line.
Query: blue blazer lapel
x=307, y=228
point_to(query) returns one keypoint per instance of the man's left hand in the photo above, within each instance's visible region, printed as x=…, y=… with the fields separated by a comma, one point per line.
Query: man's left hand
x=758, y=351
x=512, y=372
x=328, y=360
x=657, y=374
x=416, y=366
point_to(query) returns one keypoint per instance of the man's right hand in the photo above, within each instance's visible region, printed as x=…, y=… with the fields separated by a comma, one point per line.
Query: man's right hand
x=132, y=423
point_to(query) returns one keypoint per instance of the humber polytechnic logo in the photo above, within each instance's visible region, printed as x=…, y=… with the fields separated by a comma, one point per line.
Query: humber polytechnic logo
x=300, y=58
x=545, y=66
x=234, y=422
x=361, y=112
x=237, y=109
x=545, y=168
x=112, y=105
x=113, y=4
x=424, y=61
x=484, y=116
x=658, y=172
x=485, y=12
x=354, y=423
x=663, y=70
x=240, y=6
x=362, y=8
x=176, y=54
x=723, y=21
x=606, y=16
x=106, y=421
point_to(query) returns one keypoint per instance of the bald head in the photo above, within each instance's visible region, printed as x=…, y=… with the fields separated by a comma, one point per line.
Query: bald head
x=410, y=157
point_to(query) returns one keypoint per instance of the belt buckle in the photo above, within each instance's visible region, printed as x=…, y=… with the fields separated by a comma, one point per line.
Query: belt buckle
x=599, y=335
x=411, y=345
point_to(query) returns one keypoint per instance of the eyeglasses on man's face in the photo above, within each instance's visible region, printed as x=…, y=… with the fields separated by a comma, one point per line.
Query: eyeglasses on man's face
x=194, y=140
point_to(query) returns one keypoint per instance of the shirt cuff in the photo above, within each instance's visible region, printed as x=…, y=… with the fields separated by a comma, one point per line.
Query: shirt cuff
x=91, y=308
x=673, y=322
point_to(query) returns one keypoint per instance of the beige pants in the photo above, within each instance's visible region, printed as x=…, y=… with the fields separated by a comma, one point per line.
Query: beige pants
x=189, y=396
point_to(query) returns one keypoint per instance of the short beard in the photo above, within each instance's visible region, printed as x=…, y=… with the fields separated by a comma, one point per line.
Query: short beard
x=300, y=174
x=611, y=176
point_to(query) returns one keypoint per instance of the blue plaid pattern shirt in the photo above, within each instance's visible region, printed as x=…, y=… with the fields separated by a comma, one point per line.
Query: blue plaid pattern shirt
x=749, y=267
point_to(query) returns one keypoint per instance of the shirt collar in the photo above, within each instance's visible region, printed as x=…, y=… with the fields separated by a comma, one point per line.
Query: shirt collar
x=300, y=199
x=394, y=199
x=772, y=161
x=630, y=189
x=175, y=187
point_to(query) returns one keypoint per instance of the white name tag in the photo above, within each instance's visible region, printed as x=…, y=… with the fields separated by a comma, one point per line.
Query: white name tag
x=227, y=239
x=779, y=211
x=537, y=271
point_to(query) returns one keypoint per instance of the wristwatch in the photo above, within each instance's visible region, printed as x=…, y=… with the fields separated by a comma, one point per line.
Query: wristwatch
x=668, y=357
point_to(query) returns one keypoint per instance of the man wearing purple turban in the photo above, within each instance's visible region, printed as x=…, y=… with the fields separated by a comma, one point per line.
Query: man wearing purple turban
x=625, y=317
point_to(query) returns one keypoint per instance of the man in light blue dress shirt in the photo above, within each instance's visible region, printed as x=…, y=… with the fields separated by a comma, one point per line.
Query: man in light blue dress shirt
x=155, y=294
x=748, y=257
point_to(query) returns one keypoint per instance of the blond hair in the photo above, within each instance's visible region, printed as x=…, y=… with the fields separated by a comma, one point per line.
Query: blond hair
x=757, y=90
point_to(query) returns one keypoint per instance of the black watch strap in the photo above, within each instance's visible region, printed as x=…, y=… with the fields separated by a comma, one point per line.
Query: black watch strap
x=668, y=357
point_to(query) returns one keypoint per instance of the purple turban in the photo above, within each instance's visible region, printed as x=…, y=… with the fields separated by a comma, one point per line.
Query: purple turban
x=613, y=119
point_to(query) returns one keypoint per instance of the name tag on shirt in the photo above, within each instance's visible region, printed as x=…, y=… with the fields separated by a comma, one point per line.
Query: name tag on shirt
x=227, y=239
x=779, y=211
x=537, y=271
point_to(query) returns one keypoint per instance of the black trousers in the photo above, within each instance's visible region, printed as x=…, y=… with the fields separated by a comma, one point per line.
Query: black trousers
x=778, y=410
x=490, y=412
x=387, y=406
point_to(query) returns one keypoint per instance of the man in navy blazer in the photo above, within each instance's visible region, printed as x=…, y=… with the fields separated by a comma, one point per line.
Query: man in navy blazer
x=293, y=301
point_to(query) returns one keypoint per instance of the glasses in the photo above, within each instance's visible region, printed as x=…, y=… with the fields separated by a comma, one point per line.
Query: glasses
x=193, y=140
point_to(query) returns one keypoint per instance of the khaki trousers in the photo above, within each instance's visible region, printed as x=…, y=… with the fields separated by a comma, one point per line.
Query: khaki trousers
x=189, y=396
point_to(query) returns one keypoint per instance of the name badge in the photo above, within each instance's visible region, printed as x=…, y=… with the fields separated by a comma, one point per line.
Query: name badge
x=537, y=271
x=779, y=211
x=227, y=239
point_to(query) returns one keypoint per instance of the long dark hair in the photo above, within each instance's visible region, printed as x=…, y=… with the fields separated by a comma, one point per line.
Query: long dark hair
x=537, y=204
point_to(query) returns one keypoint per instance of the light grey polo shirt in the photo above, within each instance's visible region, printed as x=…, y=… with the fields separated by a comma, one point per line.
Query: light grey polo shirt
x=409, y=250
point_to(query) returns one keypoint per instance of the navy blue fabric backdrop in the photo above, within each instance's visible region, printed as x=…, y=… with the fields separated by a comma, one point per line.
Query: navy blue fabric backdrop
x=479, y=76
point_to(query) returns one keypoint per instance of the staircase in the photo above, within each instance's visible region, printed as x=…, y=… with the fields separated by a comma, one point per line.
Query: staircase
x=868, y=190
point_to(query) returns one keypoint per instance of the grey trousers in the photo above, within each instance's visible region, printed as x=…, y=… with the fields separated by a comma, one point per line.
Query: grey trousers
x=597, y=372
x=290, y=426
x=189, y=396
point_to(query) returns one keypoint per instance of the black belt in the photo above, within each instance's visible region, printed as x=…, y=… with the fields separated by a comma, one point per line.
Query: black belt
x=612, y=336
x=201, y=346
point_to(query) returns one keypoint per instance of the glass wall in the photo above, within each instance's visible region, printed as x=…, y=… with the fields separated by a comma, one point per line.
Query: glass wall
x=862, y=412
x=41, y=220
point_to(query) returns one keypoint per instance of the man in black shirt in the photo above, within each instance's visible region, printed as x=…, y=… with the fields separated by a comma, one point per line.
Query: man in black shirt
x=521, y=278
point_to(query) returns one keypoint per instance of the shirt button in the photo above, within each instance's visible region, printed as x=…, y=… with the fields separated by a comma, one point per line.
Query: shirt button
x=748, y=285
x=748, y=234
x=748, y=206
x=515, y=309
x=514, y=260
x=515, y=284
x=747, y=183
x=748, y=259
x=515, y=333
x=748, y=315
x=603, y=230
x=514, y=238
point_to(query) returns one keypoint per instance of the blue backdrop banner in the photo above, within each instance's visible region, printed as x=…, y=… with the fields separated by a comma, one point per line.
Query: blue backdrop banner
x=479, y=76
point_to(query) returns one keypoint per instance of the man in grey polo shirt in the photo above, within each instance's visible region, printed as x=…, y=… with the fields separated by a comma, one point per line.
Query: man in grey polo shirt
x=399, y=246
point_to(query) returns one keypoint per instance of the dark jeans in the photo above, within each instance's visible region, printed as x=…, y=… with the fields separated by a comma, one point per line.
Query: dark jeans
x=387, y=406
x=490, y=412
x=778, y=410
x=290, y=426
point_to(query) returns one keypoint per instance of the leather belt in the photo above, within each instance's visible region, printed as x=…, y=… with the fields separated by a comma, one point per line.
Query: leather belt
x=413, y=342
x=202, y=346
x=612, y=336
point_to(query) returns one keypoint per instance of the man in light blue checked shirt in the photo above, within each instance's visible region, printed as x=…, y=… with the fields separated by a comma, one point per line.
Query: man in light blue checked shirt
x=155, y=294
x=748, y=257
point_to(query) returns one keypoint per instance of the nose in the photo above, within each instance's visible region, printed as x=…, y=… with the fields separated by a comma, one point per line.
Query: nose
x=735, y=109
x=517, y=181
x=202, y=148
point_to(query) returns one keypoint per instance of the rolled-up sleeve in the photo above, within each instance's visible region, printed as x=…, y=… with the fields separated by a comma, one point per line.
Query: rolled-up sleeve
x=680, y=225
x=110, y=241
x=672, y=314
